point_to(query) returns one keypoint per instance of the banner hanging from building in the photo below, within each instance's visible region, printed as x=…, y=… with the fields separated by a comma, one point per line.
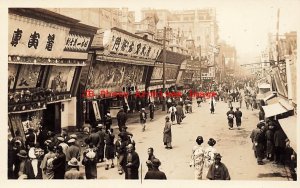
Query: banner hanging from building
x=123, y=44
x=35, y=38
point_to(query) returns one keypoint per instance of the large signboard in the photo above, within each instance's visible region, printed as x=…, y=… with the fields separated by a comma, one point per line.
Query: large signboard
x=35, y=38
x=78, y=43
x=122, y=44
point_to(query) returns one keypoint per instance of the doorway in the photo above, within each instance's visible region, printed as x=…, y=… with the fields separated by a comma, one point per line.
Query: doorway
x=52, y=117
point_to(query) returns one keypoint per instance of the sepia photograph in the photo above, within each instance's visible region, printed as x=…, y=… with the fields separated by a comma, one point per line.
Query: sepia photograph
x=156, y=91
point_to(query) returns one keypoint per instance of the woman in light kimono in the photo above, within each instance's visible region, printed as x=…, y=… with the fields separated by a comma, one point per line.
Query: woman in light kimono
x=198, y=158
x=209, y=155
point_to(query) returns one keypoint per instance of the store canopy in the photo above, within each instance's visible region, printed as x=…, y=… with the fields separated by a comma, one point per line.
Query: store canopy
x=273, y=100
x=264, y=85
x=273, y=110
x=289, y=126
x=286, y=105
x=172, y=57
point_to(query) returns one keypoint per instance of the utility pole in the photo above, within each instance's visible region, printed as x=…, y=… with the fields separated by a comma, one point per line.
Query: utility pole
x=164, y=71
x=200, y=66
x=277, y=36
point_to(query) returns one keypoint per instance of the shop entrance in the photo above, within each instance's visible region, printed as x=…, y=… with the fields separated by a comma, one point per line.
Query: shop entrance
x=52, y=117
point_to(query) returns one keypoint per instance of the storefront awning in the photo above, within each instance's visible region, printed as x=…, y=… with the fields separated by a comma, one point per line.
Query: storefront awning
x=289, y=126
x=273, y=110
x=268, y=95
x=273, y=100
x=286, y=105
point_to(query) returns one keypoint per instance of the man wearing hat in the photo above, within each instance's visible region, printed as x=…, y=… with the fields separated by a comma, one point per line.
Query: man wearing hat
x=230, y=117
x=143, y=118
x=73, y=151
x=61, y=142
x=238, y=117
x=218, y=170
x=209, y=155
x=167, y=138
x=155, y=173
x=22, y=158
x=131, y=163
x=101, y=144
x=74, y=173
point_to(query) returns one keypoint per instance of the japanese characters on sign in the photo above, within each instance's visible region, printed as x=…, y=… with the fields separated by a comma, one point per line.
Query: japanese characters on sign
x=77, y=43
x=122, y=44
x=30, y=37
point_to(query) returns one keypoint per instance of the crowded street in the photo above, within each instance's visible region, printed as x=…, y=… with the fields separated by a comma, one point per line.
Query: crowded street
x=152, y=93
x=234, y=145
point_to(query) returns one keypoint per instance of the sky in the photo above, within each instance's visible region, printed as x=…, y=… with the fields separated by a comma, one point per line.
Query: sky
x=244, y=24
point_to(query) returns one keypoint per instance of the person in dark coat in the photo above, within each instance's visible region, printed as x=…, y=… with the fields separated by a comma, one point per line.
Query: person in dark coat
x=261, y=114
x=259, y=142
x=108, y=122
x=94, y=138
x=122, y=118
x=11, y=157
x=131, y=163
x=100, y=153
x=280, y=140
x=179, y=113
x=230, y=117
x=270, y=141
x=31, y=138
x=143, y=118
x=238, y=117
x=151, y=110
x=155, y=173
x=150, y=158
x=90, y=162
x=253, y=136
x=218, y=170
x=73, y=151
x=167, y=139
x=109, y=148
x=59, y=164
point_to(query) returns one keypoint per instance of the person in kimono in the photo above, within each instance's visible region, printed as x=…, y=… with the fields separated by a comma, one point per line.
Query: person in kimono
x=197, y=159
x=209, y=155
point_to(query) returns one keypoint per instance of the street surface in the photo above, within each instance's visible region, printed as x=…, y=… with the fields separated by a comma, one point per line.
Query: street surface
x=234, y=145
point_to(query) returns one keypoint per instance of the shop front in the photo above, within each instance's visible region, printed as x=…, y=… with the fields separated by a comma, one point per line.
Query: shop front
x=118, y=74
x=41, y=76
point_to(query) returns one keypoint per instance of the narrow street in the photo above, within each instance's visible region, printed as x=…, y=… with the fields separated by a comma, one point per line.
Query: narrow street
x=234, y=145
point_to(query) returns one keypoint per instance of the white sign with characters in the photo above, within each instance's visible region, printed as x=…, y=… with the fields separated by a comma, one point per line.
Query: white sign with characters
x=76, y=42
x=35, y=38
x=126, y=45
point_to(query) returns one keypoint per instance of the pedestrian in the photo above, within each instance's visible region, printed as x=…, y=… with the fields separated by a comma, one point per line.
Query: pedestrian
x=199, y=100
x=259, y=142
x=101, y=144
x=197, y=159
x=12, y=158
x=107, y=121
x=151, y=110
x=73, y=151
x=31, y=138
x=118, y=153
x=150, y=158
x=47, y=165
x=172, y=111
x=230, y=99
x=280, y=141
x=261, y=114
x=109, y=149
x=94, y=138
x=32, y=166
x=167, y=138
x=90, y=162
x=179, y=113
x=238, y=117
x=74, y=172
x=59, y=164
x=209, y=154
x=131, y=163
x=122, y=118
x=212, y=104
x=155, y=173
x=270, y=141
x=218, y=170
x=240, y=99
x=63, y=144
x=253, y=136
x=22, y=155
x=143, y=118
x=230, y=117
